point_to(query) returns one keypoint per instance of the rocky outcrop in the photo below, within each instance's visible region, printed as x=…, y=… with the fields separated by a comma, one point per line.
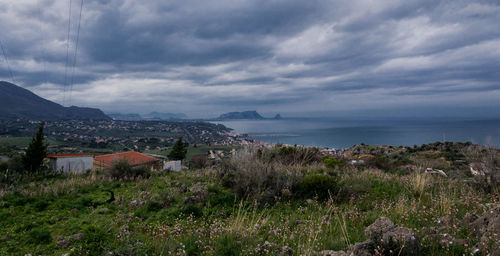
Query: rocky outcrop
x=384, y=238
x=487, y=229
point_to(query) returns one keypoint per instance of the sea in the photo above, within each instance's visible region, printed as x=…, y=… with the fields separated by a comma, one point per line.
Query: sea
x=344, y=133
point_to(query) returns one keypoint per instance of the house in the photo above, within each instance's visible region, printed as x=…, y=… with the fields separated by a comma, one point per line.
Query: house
x=172, y=165
x=134, y=159
x=71, y=163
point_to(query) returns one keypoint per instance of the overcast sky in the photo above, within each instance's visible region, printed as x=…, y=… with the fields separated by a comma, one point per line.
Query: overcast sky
x=205, y=57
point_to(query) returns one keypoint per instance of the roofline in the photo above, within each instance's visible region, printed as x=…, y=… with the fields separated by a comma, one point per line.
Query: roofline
x=68, y=155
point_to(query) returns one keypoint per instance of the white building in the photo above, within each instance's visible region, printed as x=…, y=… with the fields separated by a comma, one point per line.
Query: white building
x=172, y=165
x=71, y=163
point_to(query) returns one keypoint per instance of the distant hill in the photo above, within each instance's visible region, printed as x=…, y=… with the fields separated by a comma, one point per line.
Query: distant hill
x=241, y=115
x=17, y=102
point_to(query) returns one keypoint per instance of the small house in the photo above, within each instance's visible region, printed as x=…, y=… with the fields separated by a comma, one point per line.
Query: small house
x=71, y=163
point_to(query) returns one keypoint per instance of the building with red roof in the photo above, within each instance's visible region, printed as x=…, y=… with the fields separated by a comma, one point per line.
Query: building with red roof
x=133, y=158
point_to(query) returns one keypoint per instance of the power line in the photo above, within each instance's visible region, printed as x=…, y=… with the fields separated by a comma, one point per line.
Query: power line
x=76, y=51
x=67, y=53
x=7, y=61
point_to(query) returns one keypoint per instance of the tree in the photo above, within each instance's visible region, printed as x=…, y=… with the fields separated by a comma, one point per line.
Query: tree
x=178, y=151
x=36, y=152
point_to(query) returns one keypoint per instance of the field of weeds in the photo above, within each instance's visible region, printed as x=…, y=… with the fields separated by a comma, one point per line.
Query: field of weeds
x=274, y=201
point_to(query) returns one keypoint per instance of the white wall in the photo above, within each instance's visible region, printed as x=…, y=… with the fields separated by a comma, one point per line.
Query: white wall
x=172, y=165
x=72, y=164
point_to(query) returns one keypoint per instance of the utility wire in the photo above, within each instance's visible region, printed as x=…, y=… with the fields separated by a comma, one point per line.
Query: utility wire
x=76, y=51
x=67, y=54
x=7, y=61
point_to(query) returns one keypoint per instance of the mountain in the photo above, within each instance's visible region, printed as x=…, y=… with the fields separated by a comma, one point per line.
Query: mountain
x=17, y=102
x=240, y=115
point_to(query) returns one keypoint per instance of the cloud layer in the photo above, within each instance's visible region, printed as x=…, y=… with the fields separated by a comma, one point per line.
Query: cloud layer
x=208, y=57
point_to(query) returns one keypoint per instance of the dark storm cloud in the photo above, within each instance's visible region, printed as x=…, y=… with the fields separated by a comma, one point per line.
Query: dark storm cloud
x=288, y=56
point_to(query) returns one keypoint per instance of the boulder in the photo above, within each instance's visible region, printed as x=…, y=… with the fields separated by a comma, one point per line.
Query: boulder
x=389, y=237
x=365, y=248
x=378, y=228
x=63, y=243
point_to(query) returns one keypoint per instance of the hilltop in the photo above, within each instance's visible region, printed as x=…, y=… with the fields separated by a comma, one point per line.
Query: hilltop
x=17, y=102
x=241, y=115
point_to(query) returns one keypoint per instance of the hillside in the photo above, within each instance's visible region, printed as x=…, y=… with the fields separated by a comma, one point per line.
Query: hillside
x=17, y=102
x=268, y=201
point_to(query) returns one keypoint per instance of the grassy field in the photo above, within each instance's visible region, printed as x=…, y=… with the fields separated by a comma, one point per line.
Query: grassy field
x=234, y=209
x=21, y=141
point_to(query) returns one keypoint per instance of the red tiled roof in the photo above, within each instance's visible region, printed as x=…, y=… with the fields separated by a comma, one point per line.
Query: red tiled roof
x=133, y=158
x=67, y=155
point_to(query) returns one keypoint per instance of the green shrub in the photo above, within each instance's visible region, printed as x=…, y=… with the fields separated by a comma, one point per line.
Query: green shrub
x=190, y=246
x=122, y=169
x=316, y=185
x=94, y=241
x=40, y=236
x=227, y=245
x=192, y=209
x=41, y=204
x=83, y=202
x=331, y=162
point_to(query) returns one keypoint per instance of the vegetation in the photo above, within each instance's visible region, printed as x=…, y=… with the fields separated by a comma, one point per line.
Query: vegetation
x=36, y=152
x=178, y=151
x=265, y=201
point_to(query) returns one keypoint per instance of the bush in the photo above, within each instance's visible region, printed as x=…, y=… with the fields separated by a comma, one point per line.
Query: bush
x=199, y=162
x=122, y=169
x=41, y=204
x=333, y=163
x=288, y=155
x=40, y=236
x=192, y=209
x=94, y=241
x=316, y=185
x=227, y=245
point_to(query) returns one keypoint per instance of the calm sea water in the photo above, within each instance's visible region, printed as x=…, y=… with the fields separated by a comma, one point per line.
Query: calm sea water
x=345, y=133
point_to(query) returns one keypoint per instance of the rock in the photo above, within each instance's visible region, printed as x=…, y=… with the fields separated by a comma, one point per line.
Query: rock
x=385, y=234
x=487, y=229
x=78, y=236
x=401, y=239
x=333, y=253
x=62, y=243
x=285, y=250
x=378, y=228
x=365, y=248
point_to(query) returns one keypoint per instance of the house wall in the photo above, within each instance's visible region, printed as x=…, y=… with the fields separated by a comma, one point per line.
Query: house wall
x=172, y=165
x=72, y=164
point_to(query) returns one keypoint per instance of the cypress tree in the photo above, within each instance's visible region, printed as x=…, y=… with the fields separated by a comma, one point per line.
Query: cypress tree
x=36, y=152
x=178, y=151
